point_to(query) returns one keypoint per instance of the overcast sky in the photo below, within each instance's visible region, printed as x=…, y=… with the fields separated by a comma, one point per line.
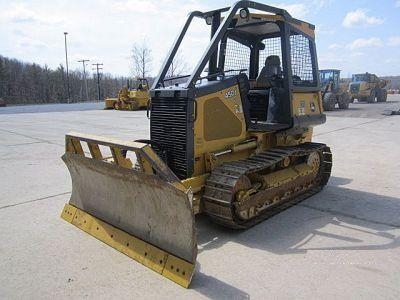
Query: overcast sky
x=354, y=36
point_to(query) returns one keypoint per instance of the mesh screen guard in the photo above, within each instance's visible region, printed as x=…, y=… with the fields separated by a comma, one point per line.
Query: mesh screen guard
x=301, y=59
x=237, y=56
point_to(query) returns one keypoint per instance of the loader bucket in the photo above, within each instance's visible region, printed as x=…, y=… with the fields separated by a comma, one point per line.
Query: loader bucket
x=138, y=207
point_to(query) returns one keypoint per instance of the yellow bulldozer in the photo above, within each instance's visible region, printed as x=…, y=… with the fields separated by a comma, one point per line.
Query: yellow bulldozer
x=135, y=95
x=232, y=142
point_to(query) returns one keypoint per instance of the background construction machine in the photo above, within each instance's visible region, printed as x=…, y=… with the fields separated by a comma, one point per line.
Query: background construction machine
x=367, y=87
x=234, y=143
x=332, y=91
x=133, y=96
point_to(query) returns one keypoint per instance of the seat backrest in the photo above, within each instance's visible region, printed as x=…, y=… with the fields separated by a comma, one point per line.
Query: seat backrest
x=271, y=69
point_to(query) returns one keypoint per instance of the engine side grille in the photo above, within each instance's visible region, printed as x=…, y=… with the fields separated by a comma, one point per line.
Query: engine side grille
x=170, y=127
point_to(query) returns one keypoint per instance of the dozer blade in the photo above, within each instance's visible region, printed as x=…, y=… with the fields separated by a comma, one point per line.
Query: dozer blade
x=139, y=208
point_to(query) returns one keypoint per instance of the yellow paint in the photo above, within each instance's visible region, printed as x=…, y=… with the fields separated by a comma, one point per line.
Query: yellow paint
x=119, y=159
x=129, y=99
x=364, y=90
x=286, y=175
x=230, y=97
x=69, y=147
x=283, y=139
x=171, y=267
x=142, y=97
x=109, y=103
x=265, y=140
x=196, y=206
x=306, y=104
x=178, y=270
x=95, y=151
x=144, y=164
x=76, y=144
x=68, y=213
x=196, y=183
x=213, y=161
x=302, y=104
x=298, y=24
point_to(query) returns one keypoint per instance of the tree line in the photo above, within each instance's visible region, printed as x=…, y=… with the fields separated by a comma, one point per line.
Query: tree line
x=30, y=83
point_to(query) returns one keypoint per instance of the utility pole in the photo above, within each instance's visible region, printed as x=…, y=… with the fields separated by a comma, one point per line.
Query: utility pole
x=66, y=62
x=83, y=61
x=98, y=78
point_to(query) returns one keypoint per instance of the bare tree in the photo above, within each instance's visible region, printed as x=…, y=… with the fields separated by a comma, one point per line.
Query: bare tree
x=178, y=66
x=141, y=56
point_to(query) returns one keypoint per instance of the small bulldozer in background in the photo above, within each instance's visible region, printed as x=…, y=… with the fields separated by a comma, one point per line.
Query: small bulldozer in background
x=232, y=142
x=368, y=87
x=135, y=95
x=332, y=90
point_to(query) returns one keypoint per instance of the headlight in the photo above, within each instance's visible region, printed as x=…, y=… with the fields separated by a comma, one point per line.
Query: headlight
x=244, y=13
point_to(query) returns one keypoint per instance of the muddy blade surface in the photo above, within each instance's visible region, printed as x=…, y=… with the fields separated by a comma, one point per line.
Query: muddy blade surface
x=142, y=205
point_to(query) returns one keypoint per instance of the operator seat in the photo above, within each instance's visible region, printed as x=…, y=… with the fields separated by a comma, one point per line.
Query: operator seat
x=266, y=96
x=270, y=72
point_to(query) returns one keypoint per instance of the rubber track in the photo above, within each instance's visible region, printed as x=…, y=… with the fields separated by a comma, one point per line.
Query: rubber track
x=218, y=197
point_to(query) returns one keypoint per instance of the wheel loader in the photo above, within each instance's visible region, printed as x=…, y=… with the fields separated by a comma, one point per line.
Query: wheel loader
x=133, y=96
x=233, y=142
x=332, y=91
x=368, y=87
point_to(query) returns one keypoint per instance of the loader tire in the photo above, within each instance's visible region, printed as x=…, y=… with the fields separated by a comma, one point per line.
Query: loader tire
x=329, y=101
x=382, y=95
x=371, y=97
x=344, y=100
